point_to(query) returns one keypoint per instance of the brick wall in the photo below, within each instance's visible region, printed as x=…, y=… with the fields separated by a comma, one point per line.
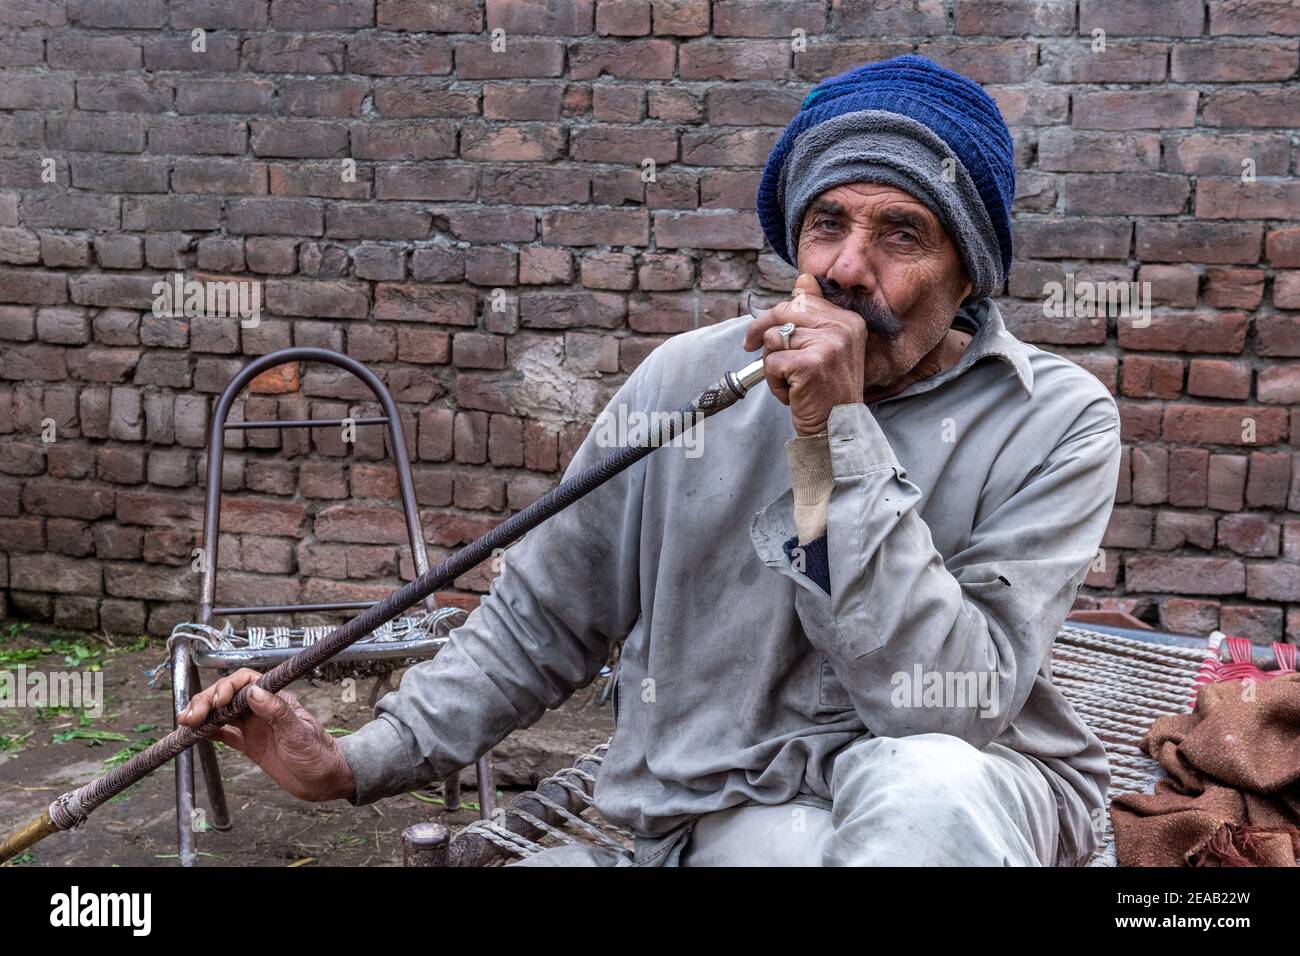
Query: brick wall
x=501, y=261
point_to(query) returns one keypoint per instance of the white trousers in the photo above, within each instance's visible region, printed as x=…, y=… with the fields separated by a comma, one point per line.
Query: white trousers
x=924, y=800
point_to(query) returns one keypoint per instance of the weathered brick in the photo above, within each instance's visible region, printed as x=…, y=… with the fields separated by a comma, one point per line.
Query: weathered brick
x=1253, y=18
x=1199, y=241
x=1217, y=378
x=1135, y=109
x=1189, y=616
x=1227, y=482
x=1279, y=384
x=1270, y=476
x=50, y=572
x=1172, y=575
x=1146, y=377
x=1117, y=18
x=1225, y=425
x=1183, y=332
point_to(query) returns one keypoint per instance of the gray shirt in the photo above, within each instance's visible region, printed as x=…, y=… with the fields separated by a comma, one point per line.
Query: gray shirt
x=964, y=514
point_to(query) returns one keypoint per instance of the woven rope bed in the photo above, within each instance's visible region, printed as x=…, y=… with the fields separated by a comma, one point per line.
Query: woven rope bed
x=1118, y=685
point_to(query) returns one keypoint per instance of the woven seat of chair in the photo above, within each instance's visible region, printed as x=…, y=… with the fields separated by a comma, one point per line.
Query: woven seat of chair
x=1117, y=685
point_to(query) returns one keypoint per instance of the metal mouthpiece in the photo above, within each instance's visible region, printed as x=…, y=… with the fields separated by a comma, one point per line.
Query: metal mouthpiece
x=746, y=378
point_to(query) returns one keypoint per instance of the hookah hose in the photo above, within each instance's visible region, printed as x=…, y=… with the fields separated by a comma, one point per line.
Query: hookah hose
x=71, y=809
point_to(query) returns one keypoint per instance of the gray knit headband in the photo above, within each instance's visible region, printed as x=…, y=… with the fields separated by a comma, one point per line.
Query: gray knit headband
x=875, y=146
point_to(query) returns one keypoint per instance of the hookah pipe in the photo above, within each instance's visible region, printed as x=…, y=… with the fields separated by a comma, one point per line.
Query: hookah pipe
x=71, y=809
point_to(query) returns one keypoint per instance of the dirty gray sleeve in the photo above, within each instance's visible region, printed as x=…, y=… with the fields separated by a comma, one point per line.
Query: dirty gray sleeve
x=564, y=592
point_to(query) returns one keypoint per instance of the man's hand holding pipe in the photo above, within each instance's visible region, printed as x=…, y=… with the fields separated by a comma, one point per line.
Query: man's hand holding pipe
x=279, y=735
x=825, y=363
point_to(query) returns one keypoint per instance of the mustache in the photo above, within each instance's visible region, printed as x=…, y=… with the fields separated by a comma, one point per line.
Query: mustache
x=880, y=320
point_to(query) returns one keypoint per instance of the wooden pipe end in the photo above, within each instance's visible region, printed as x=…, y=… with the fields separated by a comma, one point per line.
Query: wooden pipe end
x=29, y=835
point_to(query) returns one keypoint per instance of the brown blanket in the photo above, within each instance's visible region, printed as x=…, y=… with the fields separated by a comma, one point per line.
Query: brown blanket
x=1232, y=794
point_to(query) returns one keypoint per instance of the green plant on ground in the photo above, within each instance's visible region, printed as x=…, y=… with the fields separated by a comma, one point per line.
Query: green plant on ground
x=93, y=738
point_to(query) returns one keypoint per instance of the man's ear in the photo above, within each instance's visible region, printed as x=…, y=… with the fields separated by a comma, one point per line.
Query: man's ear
x=964, y=278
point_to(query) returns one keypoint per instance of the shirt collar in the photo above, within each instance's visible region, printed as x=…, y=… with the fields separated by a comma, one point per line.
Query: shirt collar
x=991, y=341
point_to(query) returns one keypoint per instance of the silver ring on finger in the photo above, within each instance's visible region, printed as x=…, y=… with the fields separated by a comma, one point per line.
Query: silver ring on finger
x=785, y=332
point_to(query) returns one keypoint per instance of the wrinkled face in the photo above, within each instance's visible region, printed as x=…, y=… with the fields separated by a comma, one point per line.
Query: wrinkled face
x=878, y=252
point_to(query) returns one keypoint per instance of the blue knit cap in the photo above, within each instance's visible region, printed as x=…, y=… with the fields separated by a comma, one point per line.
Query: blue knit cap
x=953, y=107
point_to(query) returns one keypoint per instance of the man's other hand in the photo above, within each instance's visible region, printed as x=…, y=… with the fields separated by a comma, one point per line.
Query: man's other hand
x=280, y=736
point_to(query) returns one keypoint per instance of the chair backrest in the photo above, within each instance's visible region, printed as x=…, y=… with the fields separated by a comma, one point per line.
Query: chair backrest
x=216, y=455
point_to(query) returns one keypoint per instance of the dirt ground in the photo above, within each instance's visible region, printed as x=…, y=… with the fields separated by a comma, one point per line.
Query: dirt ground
x=47, y=751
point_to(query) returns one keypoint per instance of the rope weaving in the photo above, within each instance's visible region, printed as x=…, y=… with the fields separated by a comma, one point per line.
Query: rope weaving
x=1119, y=686
x=230, y=639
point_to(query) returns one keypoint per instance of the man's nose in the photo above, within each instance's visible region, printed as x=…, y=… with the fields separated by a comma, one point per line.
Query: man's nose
x=854, y=267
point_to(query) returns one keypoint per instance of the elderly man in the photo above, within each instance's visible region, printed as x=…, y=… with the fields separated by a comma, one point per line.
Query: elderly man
x=836, y=621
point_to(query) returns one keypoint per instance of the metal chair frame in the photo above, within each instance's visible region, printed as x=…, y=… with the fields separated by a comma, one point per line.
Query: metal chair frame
x=188, y=656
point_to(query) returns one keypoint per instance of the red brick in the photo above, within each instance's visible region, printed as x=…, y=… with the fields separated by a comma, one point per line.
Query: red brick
x=1282, y=248
x=1011, y=18
x=1251, y=535
x=1189, y=616
x=1252, y=18
x=354, y=523
x=1234, y=288
x=1218, y=378
x=1227, y=242
x=1128, y=528
x=1172, y=575
x=767, y=18
x=1279, y=384
x=1140, y=422
x=1270, y=476
x=1286, y=290
x=506, y=440
x=1277, y=335
x=1260, y=625
x=1135, y=109
x=1224, y=154
x=624, y=18
x=1279, y=106
x=50, y=572
x=1187, y=332
x=1234, y=199
x=1273, y=581
x=1188, y=471
x=1224, y=425
x=1176, y=529
x=471, y=437
x=681, y=17
x=540, y=446
x=1233, y=61
x=1147, y=377
x=1227, y=482
x=1134, y=194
